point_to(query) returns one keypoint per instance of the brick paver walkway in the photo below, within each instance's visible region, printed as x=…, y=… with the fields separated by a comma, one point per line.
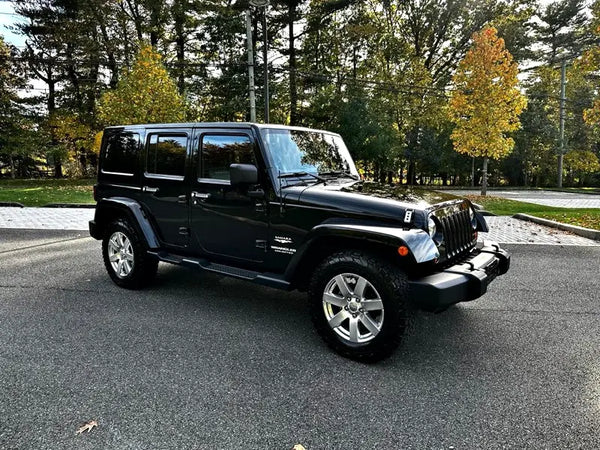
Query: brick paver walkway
x=548, y=198
x=505, y=230
x=46, y=218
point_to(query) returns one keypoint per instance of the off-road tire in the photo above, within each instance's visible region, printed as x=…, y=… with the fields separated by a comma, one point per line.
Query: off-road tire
x=391, y=285
x=144, y=266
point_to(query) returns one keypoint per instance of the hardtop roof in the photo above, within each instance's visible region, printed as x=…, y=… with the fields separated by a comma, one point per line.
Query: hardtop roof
x=240, y=125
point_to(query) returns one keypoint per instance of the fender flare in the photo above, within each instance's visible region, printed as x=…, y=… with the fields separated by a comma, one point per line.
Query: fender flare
x=481, y=222
x=421, y=246
x=133, y=210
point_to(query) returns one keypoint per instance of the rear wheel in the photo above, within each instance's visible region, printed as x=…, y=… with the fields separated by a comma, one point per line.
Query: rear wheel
x=358, y=305
x=125, y=256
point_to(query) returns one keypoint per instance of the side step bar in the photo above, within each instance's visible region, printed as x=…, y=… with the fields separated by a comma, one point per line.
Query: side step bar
x=262, y=278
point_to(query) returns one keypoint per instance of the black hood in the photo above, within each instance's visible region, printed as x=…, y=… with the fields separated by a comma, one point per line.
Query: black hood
x=364, y=198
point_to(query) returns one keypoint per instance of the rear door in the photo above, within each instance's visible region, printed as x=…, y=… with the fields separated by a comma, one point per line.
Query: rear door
x=225, y=220
x=164, y=190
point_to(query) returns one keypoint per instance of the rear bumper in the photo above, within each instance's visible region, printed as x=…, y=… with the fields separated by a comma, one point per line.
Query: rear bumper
x=461, y=282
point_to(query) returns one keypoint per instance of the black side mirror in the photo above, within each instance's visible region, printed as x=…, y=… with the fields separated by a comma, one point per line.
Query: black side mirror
x=240, y=174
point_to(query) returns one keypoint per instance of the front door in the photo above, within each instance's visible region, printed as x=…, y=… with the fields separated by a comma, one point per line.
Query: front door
x=225, y=220
x=164, y=190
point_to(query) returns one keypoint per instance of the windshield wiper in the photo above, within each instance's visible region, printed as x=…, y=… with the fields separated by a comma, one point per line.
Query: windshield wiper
x=340, y=172
x=301, y=174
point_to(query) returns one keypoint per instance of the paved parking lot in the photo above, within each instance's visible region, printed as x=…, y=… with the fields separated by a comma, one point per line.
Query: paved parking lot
x=201, y=361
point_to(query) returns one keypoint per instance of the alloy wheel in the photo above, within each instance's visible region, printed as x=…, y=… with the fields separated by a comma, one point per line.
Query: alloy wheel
x=353, y=308
x=120, y=254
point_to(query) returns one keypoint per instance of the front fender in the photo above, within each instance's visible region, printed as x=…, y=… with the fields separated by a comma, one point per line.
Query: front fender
x=421, y=246
x=107, y=207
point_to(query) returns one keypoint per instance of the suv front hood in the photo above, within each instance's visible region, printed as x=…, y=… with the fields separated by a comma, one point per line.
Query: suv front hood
x=364, y=198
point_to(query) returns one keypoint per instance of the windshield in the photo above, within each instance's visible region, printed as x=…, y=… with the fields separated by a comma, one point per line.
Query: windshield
x=312, y=152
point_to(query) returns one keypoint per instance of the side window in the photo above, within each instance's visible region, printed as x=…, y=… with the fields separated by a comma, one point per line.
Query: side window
x=166, y=154
x=121, y=153
x=220, y=151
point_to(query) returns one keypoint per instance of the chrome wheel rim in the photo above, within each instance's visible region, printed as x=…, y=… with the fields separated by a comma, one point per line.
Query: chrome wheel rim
x=353, y=308
x=120, y=254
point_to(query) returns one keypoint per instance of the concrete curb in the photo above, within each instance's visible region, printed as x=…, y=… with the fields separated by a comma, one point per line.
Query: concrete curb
x=581, y=231
x=69, y=205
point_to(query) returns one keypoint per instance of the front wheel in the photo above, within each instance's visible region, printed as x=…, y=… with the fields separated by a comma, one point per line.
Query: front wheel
x=358, y=305
x=125, y=257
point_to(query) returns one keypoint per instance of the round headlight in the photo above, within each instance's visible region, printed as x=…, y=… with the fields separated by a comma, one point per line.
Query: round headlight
x=473, y=217
x=431, y=227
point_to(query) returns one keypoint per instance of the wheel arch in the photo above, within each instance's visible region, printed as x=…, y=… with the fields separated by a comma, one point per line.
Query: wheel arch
x=382, y=242
x=111, y=209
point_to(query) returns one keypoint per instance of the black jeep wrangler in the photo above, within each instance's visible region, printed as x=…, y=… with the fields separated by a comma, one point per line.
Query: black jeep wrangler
x=285, y=207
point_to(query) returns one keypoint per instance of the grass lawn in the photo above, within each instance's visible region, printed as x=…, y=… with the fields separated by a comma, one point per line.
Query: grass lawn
x=583, y=217
x=40, y=192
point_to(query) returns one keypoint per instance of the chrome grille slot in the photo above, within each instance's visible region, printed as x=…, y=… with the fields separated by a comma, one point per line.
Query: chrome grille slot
x=457, y=232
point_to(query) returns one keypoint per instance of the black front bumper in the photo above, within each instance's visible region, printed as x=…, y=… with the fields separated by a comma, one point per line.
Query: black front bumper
x=462, y=282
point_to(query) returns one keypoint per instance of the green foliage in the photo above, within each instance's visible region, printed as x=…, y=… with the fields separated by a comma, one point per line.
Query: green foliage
x=144, y=94
x=379, y=72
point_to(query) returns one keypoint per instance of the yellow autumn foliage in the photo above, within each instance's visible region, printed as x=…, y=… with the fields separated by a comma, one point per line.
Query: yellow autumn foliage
x=486, y=103
x=583, y=161
x=144, y=94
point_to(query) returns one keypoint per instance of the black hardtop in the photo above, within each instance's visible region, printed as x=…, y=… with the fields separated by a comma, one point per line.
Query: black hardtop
x=239, y=125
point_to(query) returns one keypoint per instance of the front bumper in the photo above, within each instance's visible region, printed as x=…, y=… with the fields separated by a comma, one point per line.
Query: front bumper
x=462, y=282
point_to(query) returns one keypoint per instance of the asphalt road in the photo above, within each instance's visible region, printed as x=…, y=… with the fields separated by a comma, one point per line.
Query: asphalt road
x=200, y=361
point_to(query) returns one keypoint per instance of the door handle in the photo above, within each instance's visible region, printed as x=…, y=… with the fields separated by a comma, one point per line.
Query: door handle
x=200, y=195
x=150, y=189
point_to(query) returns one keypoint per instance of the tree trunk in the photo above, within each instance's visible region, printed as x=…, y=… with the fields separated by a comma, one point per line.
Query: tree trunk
x=473, y=172
x=292, y=49
x=12, y=166
x=179, y=17
x=411, y=176
x=484, y=176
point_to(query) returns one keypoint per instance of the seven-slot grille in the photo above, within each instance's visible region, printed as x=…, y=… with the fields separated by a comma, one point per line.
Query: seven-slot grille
x=458, y=232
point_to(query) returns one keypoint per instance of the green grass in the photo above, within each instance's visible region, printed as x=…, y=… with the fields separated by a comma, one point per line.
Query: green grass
x=44, y=191
x=583, y=217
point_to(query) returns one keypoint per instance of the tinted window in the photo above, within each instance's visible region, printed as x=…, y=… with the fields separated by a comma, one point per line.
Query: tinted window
x=219, y=152
x=120, y=153
x=166, y=154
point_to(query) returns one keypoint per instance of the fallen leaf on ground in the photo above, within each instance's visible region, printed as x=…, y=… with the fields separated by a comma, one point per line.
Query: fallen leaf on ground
x=87, y=427
x=298, y=447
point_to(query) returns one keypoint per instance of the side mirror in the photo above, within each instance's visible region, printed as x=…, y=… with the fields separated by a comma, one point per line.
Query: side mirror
x=240, y=174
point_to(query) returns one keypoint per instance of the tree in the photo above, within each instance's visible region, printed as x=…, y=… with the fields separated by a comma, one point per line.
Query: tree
x=144, y=94
x=76, y=140
x=15, y=130
x=486, y=104
x=561, y=30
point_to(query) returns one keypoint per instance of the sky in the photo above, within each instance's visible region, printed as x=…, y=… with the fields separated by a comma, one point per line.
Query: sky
x=7, y=18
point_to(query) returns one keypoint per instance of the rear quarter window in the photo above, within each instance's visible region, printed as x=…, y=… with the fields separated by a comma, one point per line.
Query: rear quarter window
x=121, y=154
